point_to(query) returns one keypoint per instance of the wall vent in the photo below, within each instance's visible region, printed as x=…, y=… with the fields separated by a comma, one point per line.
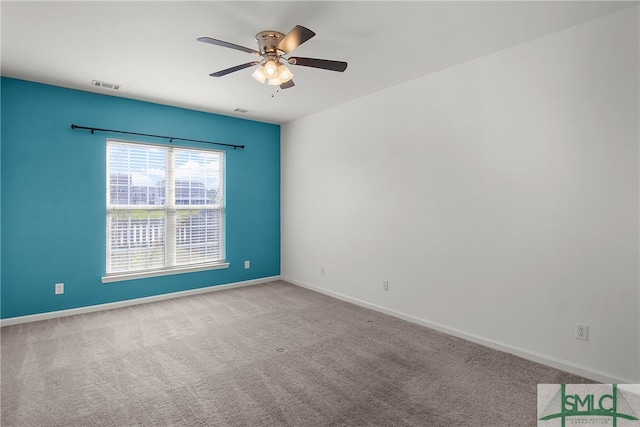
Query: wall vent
x=112, y=86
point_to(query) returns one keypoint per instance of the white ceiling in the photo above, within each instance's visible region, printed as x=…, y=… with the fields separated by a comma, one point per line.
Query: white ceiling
x=150, y=47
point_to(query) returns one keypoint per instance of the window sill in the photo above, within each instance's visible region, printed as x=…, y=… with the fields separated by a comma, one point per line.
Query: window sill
x=118, y=277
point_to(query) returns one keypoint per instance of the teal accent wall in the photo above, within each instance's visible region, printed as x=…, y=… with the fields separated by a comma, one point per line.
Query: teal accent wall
x=53, y=196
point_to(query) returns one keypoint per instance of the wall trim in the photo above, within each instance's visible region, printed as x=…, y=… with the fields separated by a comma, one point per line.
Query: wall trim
x=584, y=371
x=119, y=304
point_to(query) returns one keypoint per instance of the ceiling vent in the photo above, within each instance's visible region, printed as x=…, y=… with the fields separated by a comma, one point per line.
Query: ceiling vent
x=112, y=86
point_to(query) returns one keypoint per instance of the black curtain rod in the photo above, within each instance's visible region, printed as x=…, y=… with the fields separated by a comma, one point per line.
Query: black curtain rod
x=170, y=138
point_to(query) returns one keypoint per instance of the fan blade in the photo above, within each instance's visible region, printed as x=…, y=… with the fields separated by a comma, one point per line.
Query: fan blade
x=325, y=64
x=287, y=85
x=295, y=38
x=229, y=45
x=233, y=69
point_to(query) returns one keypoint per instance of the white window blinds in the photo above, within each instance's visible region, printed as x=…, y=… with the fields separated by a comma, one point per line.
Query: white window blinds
x=165, y=207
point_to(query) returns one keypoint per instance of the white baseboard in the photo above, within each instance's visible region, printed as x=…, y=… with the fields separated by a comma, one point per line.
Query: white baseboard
x=108, y=306
x=595, y=375
x=563, y=365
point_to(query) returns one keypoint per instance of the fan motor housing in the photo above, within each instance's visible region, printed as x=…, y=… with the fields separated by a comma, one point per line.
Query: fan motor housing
x=268, y=41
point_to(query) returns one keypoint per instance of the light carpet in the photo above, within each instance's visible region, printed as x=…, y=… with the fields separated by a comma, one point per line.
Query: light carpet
x=272, y=354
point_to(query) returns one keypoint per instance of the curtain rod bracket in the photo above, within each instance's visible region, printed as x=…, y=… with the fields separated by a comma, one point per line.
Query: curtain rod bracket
x=170, y=138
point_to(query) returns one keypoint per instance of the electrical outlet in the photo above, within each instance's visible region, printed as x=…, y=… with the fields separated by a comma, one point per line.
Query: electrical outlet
x=582, y=332
x=59, y=289
x=247, y=265
x=322, y=271
x=385, y=285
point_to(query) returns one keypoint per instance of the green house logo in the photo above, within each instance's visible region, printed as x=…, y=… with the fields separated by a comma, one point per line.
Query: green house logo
x=589, y=408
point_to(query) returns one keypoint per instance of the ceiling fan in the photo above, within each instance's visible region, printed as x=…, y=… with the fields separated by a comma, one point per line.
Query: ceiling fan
x=273, y=46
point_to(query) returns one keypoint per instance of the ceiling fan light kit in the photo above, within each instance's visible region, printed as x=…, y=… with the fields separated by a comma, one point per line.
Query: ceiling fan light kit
x=272, y=73
x=274, y=45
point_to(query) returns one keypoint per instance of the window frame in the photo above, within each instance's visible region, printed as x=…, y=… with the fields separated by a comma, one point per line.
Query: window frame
x=170, y=210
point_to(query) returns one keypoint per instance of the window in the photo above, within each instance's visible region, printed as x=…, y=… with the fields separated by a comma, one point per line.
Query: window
x=165, y=210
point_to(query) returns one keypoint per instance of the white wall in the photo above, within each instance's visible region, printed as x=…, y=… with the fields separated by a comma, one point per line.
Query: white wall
x=499, y=198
